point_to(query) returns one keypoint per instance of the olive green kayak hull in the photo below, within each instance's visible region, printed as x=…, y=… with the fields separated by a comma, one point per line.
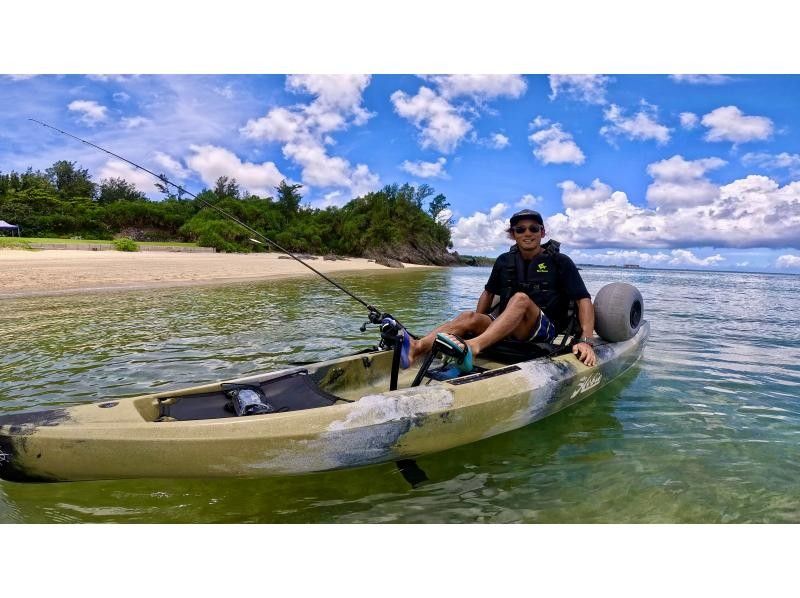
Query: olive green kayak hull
x=130, y=438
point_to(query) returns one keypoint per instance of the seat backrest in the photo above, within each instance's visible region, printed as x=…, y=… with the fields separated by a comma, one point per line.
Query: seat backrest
x=573, y=323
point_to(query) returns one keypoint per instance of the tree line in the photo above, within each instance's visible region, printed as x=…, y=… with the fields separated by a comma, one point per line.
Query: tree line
x=63, y=201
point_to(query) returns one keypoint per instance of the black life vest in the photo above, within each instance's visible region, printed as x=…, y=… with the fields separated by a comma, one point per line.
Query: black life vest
x=540, y=282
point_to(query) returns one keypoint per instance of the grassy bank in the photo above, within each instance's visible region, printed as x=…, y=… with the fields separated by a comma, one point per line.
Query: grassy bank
x=15, y=243
x=29, y=240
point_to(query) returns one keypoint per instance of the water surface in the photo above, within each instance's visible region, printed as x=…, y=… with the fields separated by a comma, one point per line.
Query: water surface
x=704, y=429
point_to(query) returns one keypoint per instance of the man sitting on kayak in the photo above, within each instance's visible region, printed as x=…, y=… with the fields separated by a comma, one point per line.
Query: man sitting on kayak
x=535, y=284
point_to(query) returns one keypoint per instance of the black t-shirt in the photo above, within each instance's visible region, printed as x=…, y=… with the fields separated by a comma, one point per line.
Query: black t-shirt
x=555, y=271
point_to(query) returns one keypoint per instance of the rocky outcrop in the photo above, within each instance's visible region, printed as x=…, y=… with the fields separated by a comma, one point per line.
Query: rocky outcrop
x=389, y=262
x=302, y=256
x=413, y=253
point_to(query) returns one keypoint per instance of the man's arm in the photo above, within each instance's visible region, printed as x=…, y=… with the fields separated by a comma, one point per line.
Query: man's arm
x=485, y=303
x=584, y=351
x=586, y=317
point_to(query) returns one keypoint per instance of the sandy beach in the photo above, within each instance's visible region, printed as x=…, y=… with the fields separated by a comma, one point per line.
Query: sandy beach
x=63, y=271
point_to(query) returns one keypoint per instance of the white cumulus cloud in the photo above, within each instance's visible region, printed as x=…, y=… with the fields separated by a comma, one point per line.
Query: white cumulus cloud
x=280, y=124
x=444, y=216
x=362, y=180
x=212, y=162
x=335, y=94
x=751, y=212
x=590, y=89
x=784, y=160
x=680, y=182
x=689, y=120
x=553, y=145
x=134, y=122
x=701, y=79
x=728, y=123
x=684, y=257
x=642, y=126
x=482, y=232
x=426, y=170
x=620, y=257
x=677, y=168
x=479, y=87
x=788, y=261
x=117, y=169
x=305, y=130
x=90, y=111
x=499, y=141
x=444, y=110
x=573, y=196
x=334, y=198
x=528, y=201
x=171, y=166
x=439, y=123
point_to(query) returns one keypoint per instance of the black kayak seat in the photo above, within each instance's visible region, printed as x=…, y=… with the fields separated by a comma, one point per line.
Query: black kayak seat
x=512, y=351
x=294, y=391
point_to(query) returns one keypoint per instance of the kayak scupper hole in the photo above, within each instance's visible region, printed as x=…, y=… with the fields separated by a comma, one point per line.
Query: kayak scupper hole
x=107, y=405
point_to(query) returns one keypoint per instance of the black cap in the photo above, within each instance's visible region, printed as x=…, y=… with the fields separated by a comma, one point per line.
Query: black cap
x=527, y=215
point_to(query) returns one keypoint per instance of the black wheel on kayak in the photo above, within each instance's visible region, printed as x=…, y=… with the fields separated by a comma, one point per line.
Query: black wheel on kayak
x=618, y=311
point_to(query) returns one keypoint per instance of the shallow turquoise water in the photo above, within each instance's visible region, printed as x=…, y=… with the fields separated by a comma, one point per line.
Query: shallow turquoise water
x=704, y=429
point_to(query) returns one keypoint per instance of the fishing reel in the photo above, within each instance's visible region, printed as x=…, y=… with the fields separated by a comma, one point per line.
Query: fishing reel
x=389, y=327
x=375, y=317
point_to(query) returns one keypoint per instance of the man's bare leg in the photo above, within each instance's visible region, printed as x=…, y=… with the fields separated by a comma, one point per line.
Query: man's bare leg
x=467, y=322
x=517, y=320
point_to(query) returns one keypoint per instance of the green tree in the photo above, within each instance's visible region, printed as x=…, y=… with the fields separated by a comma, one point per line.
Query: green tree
x=71, y=181
x=436, y=206
x=422, y=193
x=118, y=189
x=163, y=185
x=288, y=198
x=227, y=187
x=58, y=202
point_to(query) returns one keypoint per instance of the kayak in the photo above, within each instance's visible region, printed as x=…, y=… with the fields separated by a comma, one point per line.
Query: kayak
x=329, y=415
x=353, y=411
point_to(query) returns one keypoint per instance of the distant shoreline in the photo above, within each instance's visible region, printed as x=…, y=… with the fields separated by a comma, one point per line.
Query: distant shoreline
x=64, y=271
x=652, y=269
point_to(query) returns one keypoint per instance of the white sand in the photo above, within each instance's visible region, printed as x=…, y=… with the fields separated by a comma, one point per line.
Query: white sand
x=58, y=271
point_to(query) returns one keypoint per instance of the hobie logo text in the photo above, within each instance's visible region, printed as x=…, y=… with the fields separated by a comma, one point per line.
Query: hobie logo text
x=587, y=384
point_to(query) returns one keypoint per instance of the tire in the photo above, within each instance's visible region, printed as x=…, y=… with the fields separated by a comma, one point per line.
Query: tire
x=618, y=311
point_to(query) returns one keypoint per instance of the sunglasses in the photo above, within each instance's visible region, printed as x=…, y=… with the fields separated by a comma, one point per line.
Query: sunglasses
x=534, y=228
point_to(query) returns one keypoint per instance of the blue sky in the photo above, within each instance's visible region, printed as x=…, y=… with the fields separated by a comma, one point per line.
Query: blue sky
x=664, y=171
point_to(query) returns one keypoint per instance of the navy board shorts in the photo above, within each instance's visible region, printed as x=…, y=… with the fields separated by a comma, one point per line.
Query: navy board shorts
x=542, y=332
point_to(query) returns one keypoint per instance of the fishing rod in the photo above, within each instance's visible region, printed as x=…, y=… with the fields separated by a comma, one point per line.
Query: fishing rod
x=375, y=315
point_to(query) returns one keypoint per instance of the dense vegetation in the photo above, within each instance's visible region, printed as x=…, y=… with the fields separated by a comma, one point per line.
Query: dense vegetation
x=64, y=202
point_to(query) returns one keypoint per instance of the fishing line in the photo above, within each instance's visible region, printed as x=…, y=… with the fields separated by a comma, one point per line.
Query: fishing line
x=375, y=314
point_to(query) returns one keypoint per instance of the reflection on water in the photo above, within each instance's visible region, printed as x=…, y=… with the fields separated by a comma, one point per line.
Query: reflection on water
x=703, y=429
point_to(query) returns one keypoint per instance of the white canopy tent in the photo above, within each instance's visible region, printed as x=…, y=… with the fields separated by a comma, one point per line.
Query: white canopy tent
x=4, y=226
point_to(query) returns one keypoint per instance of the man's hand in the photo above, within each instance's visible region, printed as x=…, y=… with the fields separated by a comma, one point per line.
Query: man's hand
x=585, y=353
